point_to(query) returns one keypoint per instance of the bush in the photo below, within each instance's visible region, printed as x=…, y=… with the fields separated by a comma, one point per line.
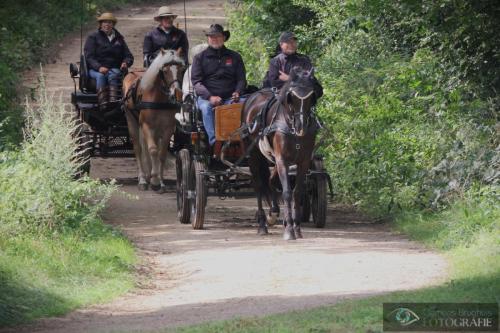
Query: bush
x=409, y=93
x=39, y=189
x=27, y=29
x=55, y=252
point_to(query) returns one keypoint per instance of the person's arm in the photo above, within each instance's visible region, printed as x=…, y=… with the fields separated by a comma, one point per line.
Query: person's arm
x=128, y=58
x=318, y=89
x=241, y=78
x=274, y=73
x=147, y=48
x=185, y=48
x=197, y=78
x=90, y=56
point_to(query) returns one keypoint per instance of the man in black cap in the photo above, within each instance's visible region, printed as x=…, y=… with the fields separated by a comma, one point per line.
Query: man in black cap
x=165, y=36
x=281, y=65
x=218, y=76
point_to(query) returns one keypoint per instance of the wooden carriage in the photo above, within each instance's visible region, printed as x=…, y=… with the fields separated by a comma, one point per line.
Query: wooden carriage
x=224, y=171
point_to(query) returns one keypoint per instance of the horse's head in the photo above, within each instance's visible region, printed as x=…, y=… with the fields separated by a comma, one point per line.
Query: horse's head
x=298, y=93
x=169, y=68
x=172, y=72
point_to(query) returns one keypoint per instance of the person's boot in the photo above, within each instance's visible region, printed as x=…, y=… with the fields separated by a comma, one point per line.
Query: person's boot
x=103, y=98
x=115, y=96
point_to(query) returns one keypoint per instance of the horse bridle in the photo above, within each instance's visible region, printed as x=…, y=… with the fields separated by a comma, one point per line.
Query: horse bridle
x=167, y=85
x=300, y=113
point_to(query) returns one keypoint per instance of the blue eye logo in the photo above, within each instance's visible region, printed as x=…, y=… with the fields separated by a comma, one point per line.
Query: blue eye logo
x=404, y=316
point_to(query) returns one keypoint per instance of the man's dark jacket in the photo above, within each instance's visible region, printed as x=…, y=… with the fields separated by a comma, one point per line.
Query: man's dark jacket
x=100, y=52
x=218, y=73
x=285, y=63
x=158, y=38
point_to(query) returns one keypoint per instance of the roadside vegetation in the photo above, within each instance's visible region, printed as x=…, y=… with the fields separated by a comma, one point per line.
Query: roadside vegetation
x=55, y=252
x=411, y=100
x=27, y=30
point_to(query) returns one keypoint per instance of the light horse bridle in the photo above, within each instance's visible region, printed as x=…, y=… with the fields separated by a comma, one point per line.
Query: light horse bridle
x=167, y=85
x=304, y=118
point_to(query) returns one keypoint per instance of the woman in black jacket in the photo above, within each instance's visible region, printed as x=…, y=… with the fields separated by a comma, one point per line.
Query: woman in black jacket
x=107, y=56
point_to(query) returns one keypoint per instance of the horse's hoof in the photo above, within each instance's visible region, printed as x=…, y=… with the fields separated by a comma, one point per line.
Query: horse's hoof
x=289, y=233
x=163, y=189
x=298, y=232
x=155, y=188
x=262, y=231
x=272, y=218
x=142, y=187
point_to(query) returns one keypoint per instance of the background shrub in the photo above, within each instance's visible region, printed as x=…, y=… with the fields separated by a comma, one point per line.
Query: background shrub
x=410, y=92
x=27, y=29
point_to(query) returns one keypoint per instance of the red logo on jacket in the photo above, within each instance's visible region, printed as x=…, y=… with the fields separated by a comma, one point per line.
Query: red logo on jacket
x=229, y=61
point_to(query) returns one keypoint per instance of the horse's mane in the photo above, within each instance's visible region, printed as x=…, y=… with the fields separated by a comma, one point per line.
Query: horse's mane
x=161, y=59
x=195, y=50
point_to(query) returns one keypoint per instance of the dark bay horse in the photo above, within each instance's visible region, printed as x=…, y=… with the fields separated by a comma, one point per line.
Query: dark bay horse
x=282, y=131
x=151, y=100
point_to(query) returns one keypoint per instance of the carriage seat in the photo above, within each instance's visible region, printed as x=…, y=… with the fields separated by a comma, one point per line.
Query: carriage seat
x=86, y=84
x=227, y=121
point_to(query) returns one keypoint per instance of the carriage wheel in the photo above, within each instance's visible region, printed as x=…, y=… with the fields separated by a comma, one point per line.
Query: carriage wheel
x=306, y=206
x=182, y=169
x=199, y=194
x=319, y=195
x=84, y=149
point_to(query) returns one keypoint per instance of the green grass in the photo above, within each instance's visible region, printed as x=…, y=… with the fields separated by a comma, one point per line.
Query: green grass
x=56, y=254
x=46, y=276
x=474, y=274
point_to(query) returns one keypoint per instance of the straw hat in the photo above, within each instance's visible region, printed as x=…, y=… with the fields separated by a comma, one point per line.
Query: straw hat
x=164, y=11
x=107, y=17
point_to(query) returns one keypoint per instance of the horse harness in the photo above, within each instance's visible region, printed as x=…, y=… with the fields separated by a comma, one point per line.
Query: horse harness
x=277, y=126
x=139, y=104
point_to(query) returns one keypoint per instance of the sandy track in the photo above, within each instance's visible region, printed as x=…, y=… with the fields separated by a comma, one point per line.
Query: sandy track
x=226, y=270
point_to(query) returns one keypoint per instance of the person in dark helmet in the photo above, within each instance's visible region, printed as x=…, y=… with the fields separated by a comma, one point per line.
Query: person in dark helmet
x=107, y=55
x=165, y=36
x=281, y=65
x=218, y=77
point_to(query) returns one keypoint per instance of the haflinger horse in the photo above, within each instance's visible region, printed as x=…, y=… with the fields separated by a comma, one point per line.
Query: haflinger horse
x=151, y=101
x=285, y=129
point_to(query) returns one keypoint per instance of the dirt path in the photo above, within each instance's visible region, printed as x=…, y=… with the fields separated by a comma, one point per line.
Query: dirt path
x=227, y=270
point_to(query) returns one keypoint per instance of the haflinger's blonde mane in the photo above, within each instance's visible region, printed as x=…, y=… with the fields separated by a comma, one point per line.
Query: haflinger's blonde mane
x=163, y=57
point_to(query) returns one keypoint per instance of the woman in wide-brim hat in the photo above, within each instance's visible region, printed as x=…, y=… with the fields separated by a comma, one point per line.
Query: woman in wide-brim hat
x=107, y=55
x=165, y=36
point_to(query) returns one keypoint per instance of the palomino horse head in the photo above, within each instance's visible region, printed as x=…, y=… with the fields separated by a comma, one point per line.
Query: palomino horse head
x=169, y=67
x=299, y=94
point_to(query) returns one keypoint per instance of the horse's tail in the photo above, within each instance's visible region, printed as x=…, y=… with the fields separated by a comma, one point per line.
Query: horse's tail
x=261, y=175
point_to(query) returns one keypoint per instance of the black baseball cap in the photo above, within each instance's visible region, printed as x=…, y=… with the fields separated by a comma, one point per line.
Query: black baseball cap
x=287, y=36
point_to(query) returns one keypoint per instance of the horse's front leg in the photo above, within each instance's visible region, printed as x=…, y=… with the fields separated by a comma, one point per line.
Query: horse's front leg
x=133, y=129
x=298, y=191
x=152, y=147
x=282, y=168
x=164, y=144
x=274, y=212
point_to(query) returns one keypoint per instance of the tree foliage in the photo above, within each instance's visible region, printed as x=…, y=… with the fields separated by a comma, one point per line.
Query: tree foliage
x=410, y=93
x=27, y=29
